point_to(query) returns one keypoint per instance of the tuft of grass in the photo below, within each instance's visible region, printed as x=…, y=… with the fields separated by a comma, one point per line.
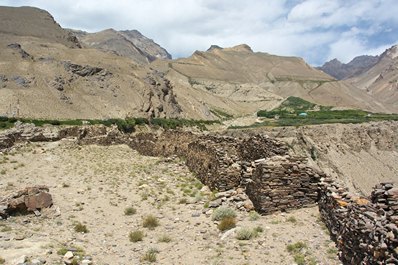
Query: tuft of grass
x=80, y=228
x=150, y=255
x=2, y=261
x=136, y=236
x=296, y=247
x=227, y=223
x=246, y=234
x=129, y=211
x=300, y=253
x=164, y=239
x=62, y=251
x=253, y=216
x=258, y=229
x=332, y=252
x=292, y=219
x=150, y=222
x=183, y=201
x=223, y=212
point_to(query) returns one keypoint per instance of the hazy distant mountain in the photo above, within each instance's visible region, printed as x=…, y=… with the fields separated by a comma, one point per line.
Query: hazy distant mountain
x=128, y=43
x=381, y=80
x=356, y=66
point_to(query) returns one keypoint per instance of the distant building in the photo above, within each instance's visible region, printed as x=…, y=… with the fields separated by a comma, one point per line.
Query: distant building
x=303, y=114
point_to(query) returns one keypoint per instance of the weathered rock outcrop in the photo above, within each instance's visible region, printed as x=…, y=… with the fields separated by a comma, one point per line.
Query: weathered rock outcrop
x=24, y=201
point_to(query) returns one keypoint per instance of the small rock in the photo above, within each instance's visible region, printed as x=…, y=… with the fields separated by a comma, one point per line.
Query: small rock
x=195, y=214
x=68, y=255
x=215, y=203
x=228, y=233
x=248, y=204
x=86, y=262
x=36, y=262
x=22, y=259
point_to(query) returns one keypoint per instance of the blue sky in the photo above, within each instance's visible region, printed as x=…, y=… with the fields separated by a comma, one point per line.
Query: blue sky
x=317, y=30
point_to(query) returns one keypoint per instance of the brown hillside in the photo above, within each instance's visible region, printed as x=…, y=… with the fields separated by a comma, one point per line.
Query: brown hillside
x=381, y=81
x=30, y=21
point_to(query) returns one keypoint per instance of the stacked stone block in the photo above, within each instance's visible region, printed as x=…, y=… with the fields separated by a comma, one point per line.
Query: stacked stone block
x=282, y=183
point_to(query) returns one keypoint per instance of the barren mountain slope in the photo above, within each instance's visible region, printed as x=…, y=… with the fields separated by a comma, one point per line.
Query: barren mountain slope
x=30, y=21
x=381, y=81
x=262, y=79
x=356, y=66
x=129, y=43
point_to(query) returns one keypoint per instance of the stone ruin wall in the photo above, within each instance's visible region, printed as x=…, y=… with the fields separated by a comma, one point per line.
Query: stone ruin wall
x=365, y=230
x=365, y=233
x=282, y=183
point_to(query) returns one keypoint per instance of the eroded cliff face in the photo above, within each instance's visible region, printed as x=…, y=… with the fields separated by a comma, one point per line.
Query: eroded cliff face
x=359, y=155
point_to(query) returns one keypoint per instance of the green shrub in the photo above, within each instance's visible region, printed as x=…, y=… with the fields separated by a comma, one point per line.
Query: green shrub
x=129, y=211
x=62, y=251
x=227, y=223
x=150, y=255
x=150, y=222
x=164, y=239
x=292, y=219
x=253, y=216
x=81, y=228
x=296, y=247
x=223, y=212
x=246, y=234
x=136, y=236
x=258, y=229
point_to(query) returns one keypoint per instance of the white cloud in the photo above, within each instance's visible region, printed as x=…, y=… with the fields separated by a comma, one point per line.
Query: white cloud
x=314, y=29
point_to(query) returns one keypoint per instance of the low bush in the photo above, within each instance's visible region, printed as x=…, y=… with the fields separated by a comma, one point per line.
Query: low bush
x=150, y=222
x=246, y=234
x=223, y=212
x=136, y=236
x=81, y=228
x=227, y=223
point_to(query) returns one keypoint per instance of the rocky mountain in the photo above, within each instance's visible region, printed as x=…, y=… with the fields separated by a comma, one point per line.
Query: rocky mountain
x=44, y=74
x=255, y=80
x=34, y=22
x=355, y=67
x=381, y=80
x=128, y=43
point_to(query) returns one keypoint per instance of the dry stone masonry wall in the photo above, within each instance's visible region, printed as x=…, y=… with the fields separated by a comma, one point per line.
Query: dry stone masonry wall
x=365, y=232
x=282, y=183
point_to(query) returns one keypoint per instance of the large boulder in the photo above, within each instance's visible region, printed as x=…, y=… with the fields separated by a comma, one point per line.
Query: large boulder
x=26, y=201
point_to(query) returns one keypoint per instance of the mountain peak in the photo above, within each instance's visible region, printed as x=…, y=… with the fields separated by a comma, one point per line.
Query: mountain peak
x=391, y=52
x=214, y=47
x=241, y=48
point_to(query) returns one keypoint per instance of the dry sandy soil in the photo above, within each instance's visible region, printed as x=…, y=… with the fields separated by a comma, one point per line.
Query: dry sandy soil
x=93, y=185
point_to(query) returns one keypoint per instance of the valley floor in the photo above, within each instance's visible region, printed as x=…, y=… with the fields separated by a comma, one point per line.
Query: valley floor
x=93, y=185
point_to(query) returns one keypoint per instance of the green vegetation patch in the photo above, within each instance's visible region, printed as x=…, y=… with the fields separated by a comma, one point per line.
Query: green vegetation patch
x=296, y=111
